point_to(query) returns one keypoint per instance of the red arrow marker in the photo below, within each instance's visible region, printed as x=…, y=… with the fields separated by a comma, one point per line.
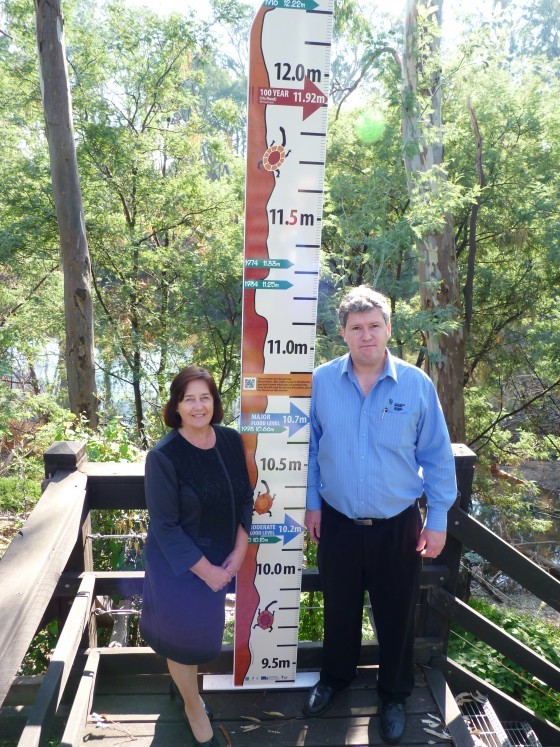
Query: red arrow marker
x=310, y=98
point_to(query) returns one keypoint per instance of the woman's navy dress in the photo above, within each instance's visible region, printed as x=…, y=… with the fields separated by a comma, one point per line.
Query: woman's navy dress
x=196, y=500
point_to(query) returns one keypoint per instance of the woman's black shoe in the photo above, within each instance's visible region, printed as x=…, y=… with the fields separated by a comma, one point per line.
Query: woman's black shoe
x=209, y=742
x=175, y=694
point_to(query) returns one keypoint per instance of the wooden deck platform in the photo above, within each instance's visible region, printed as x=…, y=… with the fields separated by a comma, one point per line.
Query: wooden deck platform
x=48, y=573
x=137, y=710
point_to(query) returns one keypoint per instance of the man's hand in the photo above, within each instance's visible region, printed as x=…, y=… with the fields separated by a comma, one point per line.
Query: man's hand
x=431, y=543
x=313, y=524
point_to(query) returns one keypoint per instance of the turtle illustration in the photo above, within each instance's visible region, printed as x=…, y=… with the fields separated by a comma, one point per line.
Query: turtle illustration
x=265, y=619
x=275, y=155
x=264, y=501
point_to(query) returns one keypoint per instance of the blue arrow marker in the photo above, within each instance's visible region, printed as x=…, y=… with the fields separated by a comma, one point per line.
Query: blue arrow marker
x=268, y=422
x=267, y=284
x=291, y=4
x=266, y=533
x=277, y=264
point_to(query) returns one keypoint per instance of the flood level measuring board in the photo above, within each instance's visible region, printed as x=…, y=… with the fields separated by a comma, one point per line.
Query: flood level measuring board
x=289, y=79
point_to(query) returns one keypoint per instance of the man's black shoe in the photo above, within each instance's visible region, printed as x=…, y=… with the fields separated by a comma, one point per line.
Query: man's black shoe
x=392, y=721
x=319, y=699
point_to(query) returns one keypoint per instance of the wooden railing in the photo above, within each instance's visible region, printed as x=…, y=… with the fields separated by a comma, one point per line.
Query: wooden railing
x=475, y=536
x=47, y=573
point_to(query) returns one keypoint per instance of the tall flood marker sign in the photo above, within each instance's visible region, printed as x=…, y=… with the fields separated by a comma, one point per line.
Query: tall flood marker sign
x=289, y=78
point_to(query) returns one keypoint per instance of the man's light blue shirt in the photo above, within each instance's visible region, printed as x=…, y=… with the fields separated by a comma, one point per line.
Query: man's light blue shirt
x=373, y=456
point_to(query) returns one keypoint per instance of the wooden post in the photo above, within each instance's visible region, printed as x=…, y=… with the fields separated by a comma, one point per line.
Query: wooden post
x=33, y=564
x=71, y=456
x=434, y=624
x=64, y=455
x=465, y=460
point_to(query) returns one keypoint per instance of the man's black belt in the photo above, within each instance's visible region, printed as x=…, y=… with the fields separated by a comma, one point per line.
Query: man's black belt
x=365, y=521
x=371, y=522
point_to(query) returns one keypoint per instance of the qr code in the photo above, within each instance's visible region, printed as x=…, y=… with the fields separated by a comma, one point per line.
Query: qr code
x=249, y=383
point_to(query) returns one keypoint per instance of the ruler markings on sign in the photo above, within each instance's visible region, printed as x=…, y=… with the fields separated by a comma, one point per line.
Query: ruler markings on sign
x=288, y=80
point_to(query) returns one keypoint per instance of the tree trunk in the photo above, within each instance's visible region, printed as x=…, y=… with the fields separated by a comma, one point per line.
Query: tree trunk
x=138, y=406
x=78, y=307
x=423, y=156
x=469, y=282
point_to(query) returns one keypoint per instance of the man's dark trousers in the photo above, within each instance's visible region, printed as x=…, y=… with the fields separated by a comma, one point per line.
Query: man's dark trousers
x=383, y=559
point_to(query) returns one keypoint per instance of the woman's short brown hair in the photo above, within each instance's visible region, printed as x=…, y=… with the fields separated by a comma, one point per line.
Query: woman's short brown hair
x=177, y=390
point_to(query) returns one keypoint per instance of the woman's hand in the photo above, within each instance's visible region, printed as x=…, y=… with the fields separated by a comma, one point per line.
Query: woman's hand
x=214, y=576
x=234, y=560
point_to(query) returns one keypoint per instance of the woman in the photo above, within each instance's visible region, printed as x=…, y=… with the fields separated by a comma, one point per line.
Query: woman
x=200, y=504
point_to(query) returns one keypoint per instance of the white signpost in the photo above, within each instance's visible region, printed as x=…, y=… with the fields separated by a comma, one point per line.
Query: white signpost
x=287, y=124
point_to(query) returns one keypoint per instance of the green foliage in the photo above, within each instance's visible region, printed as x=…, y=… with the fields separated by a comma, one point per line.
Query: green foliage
x=311, y=623
x=112, y=442
x=38, y=656
x=18, y=495
x=113, y=553
x=159, y=119
x=541, y=637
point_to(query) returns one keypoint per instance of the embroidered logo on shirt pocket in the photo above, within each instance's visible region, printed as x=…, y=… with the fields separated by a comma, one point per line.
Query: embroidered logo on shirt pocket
x=396, y=408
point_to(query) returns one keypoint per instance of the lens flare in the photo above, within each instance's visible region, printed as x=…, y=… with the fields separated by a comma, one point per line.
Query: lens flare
x=370, y=126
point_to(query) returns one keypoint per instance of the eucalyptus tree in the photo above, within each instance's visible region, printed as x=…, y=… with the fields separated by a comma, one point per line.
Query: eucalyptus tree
x=31, y=289
x=376, y=229
x=78, y=307
x=511, y=252
x=159, y=186
x=432, y=202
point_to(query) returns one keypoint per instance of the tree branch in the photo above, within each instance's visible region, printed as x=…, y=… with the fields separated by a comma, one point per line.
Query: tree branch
x=524, y=406
x=35, y=288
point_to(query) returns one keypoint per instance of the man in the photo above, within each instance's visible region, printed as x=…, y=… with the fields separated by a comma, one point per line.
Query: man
x=378, y=441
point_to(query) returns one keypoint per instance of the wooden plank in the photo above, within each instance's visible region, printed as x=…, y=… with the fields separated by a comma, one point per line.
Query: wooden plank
x=108, y=583
x=140, y=706
x=81, y=707
x=507, y=708
x=121, y=626
x=50, y=693
x=101, y=473
x=322, y=732
x=143, y=660
x=432, y=623
x=352, y=720
x=120, y=485
x=32, y=565
x=24, y=690
x=430, y=575
x=130, y=583
x=12, y=721
x=115, y=485
x=496, y=637
x=14, y=718
x=231, y=706
x=452, y=718
x=513, y=563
